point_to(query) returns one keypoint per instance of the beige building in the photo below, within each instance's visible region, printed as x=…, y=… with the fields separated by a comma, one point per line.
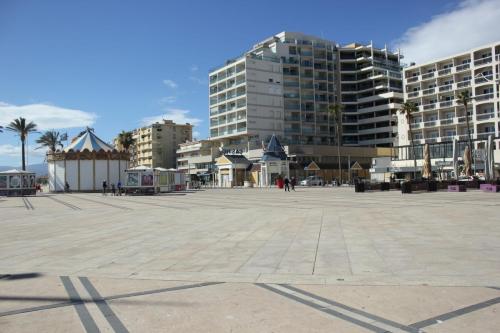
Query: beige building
x=156, y=144
x=197, y=157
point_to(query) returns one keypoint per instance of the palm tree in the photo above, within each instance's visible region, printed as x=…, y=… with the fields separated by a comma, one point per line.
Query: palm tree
x=464, y=98
x=335, y=110
x=408, y=108
x=52, y=140
x=22, y=128
x=126, y=140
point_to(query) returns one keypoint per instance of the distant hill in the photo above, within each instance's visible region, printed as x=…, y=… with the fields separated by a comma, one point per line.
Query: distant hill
x=40, y=169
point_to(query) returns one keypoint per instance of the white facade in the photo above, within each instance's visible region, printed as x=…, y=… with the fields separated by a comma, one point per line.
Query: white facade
x=85, y=175
x=434, y=88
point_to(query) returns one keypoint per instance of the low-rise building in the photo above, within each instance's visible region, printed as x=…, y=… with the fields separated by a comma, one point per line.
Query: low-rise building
x=197, y=158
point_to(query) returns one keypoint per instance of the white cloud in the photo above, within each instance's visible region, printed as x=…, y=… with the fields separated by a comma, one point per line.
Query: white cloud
x=170, y=83
x=198, y=80
x=472, y=23
x=179, y=116
x=46, y=116
x=8, y=150
x=168, y=100
x=194, y=68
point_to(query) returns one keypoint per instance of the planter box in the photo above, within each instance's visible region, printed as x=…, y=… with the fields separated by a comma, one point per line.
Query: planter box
x=490, y=188
x=457, y=188
x=385, y=186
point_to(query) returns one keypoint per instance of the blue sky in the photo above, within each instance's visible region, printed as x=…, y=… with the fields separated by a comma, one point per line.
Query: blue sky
x=115, y=64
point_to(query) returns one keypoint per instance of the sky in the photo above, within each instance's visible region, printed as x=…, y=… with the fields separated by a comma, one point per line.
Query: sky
x=118, y=65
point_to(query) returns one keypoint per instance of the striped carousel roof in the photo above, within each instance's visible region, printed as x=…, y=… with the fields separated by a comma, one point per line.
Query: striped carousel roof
x=90, y=141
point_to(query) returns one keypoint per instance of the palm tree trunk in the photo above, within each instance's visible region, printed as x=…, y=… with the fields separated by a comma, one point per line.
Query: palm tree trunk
x=338, y=154
x=414, y=157
x=23, y=158
x=471, y=148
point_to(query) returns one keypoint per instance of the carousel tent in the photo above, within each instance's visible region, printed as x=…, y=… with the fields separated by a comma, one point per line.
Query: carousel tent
x=85, y=164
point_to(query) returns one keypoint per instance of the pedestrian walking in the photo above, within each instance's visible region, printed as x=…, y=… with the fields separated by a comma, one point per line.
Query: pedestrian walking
x=66, y=187
x=113, y=189
x=119, y=185
x=293, y=182
x=287, y=184
x=104, y=187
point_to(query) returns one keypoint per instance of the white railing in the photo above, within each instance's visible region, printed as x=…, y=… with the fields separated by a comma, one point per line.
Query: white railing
x=462, y=67
x=485, y=116
x=483, y=61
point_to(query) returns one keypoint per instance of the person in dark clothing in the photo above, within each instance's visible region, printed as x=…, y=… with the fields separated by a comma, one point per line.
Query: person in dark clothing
x=104, y=187
x=119, y=186
x=66, y=187
x=113, y=189
x=293, y=182
x=287, y=184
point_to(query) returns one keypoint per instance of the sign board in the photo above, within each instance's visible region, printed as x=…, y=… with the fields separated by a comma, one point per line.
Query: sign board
x=312, y=167
x=231, y=151
x=356, y=166
x=444, y=163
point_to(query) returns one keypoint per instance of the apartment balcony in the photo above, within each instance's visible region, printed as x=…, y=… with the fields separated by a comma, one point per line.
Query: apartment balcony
x=484, y=97
x=430, y=106
x=484, y=135
x=292, y=130
x=461, y=120
x=483, y=61
x=308, y=97
x=448, y=121
x=462, y=67
x=416, y=125
x=291, y=84
x=446, y=104
x=463, y=84
x=484, y=79
x=429, y=91
x=446, y=138
x=413, y=94
x=292, y=107
x=485, y=116
x=427, y=76
x=445, y=71
x=431, y=123
x=292, y=118
x=431, y=140
x=447, y=87
x=412, y=79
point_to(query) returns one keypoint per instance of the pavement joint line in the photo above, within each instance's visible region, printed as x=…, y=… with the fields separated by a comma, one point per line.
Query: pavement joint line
x=78, y=300
x=354, y=310
x=63, y=203
x=28, y=204
x=456, y=313
x=87, y=321
x=497, y=288
x=103, y=306
x=326, y=310
x=150, y=204
x=317, y=243
x=102, y=203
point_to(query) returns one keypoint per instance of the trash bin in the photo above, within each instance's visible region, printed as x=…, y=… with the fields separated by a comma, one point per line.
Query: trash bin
x=406, y=187
x=431, y=186
x=359, y=187
x=280, y=183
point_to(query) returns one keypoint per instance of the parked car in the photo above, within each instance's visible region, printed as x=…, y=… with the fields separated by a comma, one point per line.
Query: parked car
x=312, y=181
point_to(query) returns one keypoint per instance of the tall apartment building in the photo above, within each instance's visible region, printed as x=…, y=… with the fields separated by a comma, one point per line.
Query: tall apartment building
x=434, y=88
x=285, y=84
x=371, y=91
x=156, y=144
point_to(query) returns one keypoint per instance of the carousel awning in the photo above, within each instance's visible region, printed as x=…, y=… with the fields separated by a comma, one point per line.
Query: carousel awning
x=88, y=140
x=15, y=171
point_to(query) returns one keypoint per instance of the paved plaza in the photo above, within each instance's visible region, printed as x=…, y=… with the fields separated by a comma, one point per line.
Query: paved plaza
x=251, y=260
